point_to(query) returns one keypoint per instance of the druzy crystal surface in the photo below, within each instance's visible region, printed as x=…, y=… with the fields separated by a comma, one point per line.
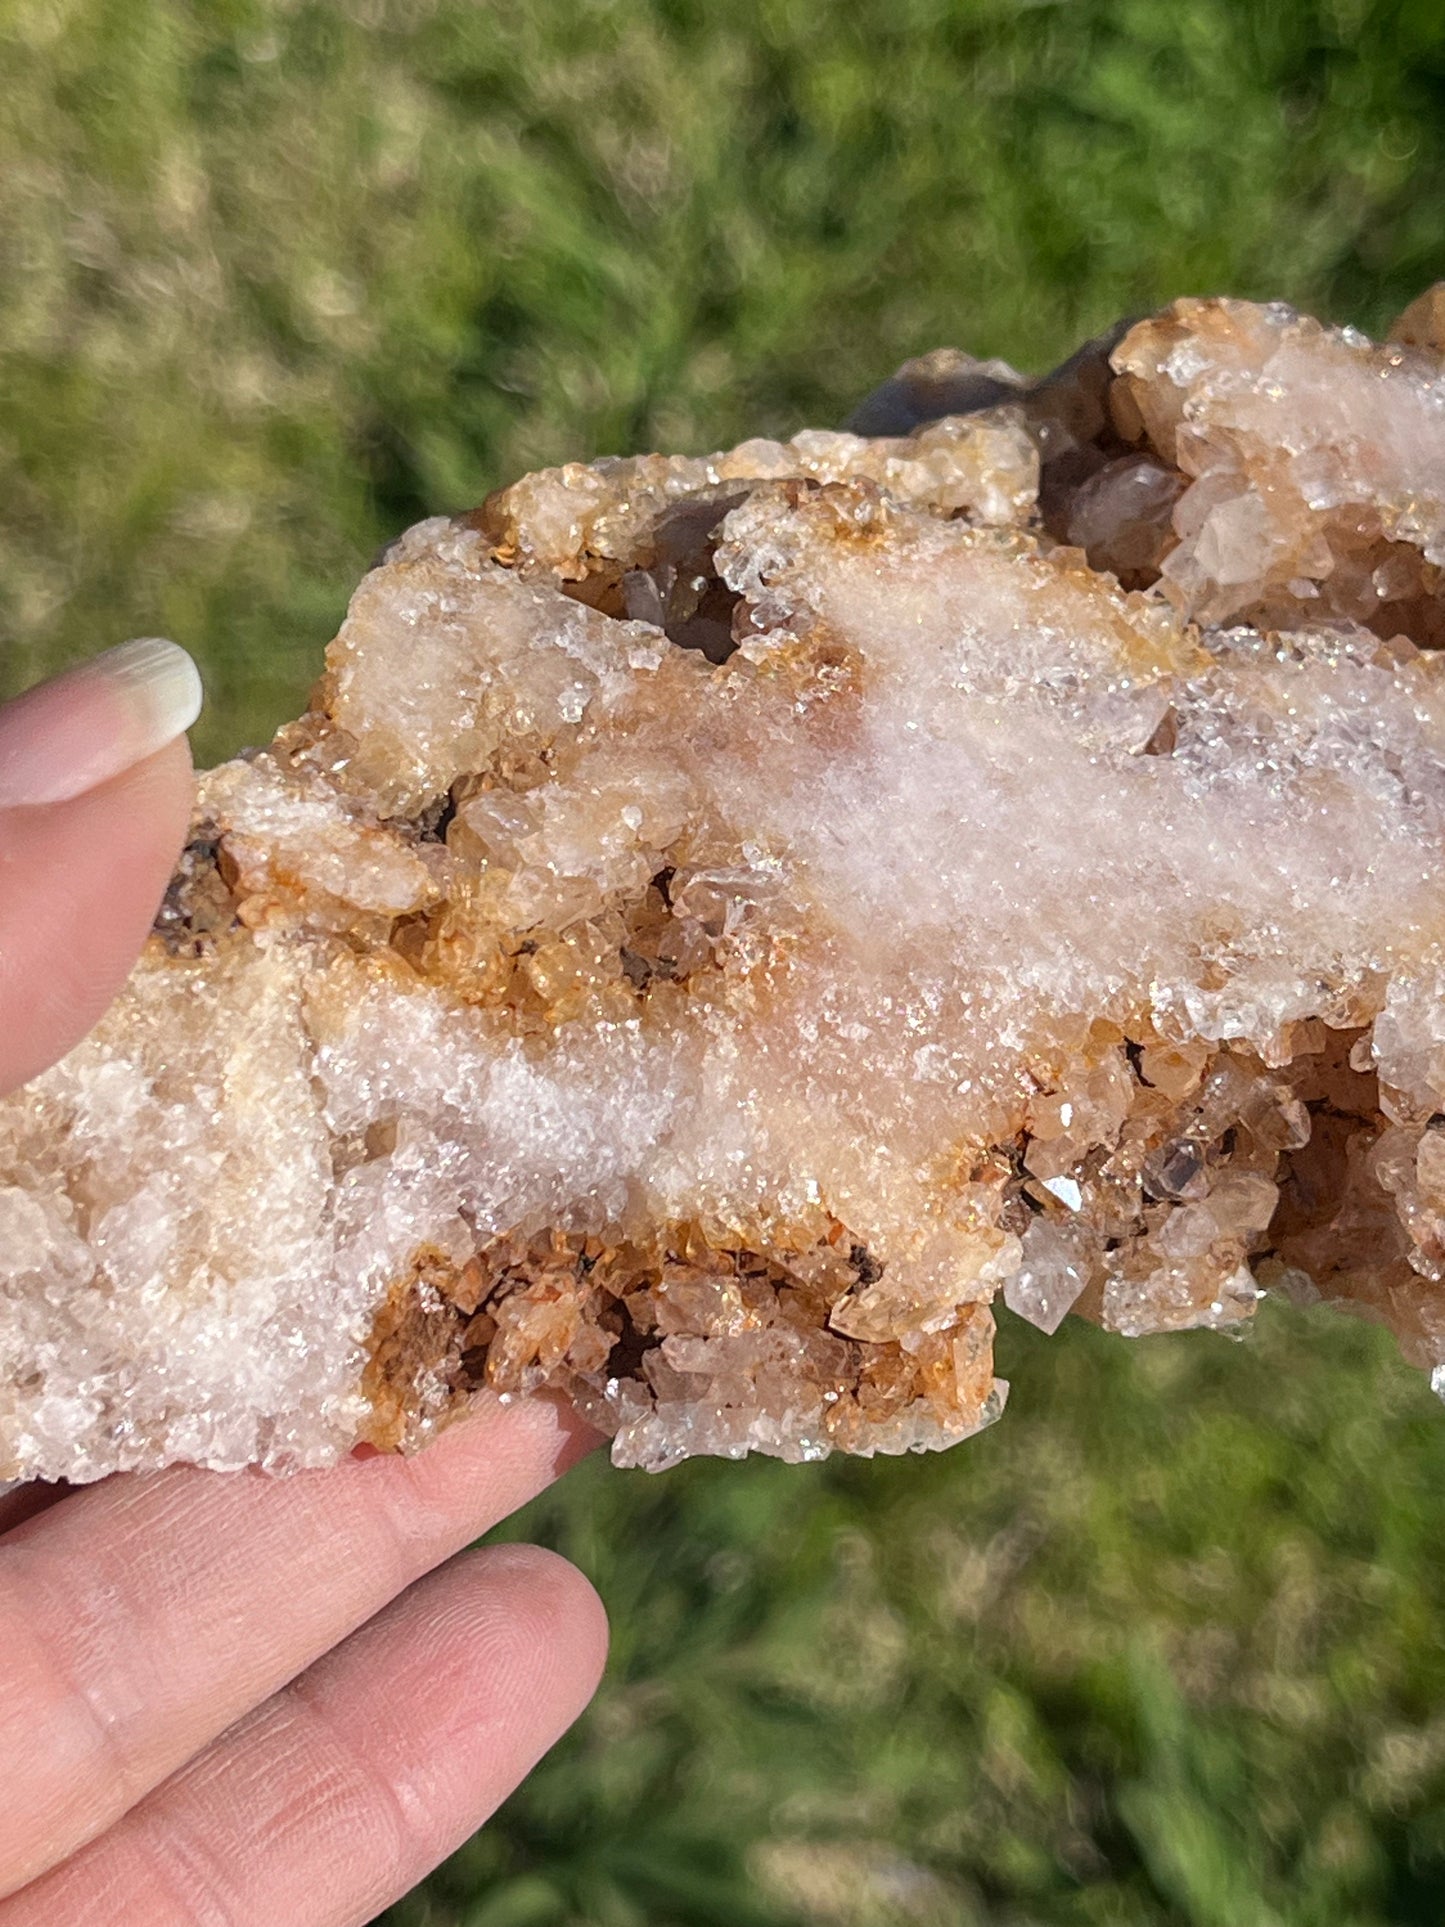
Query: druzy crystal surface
x=725, y=921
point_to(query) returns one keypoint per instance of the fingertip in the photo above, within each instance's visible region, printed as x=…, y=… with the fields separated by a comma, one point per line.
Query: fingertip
x=542, y=1429
x=554, y=1607
x=91, y=723
x=489, y=1460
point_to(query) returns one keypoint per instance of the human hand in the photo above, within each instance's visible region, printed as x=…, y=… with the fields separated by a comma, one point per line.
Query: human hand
x=226, y=1698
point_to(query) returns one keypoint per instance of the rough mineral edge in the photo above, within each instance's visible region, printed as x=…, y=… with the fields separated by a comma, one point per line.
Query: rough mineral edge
x=723, y=920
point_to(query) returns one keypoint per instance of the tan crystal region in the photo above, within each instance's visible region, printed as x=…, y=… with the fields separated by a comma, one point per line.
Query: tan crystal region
x=724, y=921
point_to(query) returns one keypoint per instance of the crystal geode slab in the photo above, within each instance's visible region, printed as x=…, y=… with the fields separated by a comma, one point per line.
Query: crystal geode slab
x=724, y=921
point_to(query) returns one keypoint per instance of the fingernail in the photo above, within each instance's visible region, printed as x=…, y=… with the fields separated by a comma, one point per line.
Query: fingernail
x=82, y=728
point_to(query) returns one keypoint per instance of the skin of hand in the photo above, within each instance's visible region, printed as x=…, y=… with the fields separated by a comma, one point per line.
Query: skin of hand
x=228, y=1700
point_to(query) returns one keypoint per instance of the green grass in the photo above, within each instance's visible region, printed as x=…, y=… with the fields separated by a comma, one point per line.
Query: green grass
x=1167, y=1647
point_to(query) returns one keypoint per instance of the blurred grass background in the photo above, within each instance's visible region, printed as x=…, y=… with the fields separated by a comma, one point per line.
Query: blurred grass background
x=1167, y=1647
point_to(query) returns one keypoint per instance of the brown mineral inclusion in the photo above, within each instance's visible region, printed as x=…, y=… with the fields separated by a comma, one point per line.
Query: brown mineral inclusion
x=723, y=921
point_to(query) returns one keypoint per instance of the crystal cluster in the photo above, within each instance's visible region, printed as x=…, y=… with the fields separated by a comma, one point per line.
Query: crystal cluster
x=722, y=922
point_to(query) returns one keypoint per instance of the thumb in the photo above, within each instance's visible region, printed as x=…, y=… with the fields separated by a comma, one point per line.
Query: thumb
x=95, y=792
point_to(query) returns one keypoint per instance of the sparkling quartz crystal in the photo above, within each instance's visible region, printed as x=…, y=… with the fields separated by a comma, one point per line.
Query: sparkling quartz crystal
x=724, y=921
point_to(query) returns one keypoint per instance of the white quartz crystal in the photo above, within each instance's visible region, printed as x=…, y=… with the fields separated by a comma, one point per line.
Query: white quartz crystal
x=723, y=921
